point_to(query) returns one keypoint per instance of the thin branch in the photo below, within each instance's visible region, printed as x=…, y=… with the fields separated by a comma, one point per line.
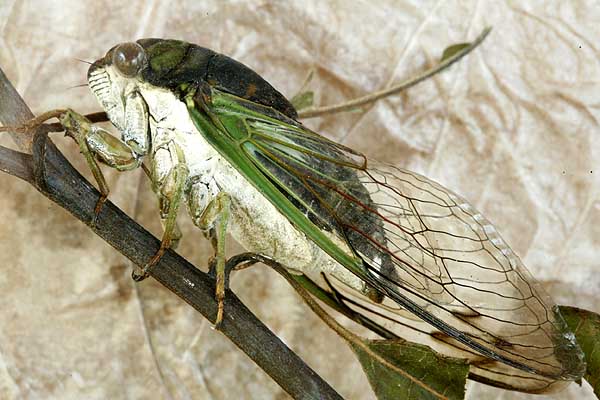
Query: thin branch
x=14, y=111
x=16, y=163
x=55, y=177
x=373, y=97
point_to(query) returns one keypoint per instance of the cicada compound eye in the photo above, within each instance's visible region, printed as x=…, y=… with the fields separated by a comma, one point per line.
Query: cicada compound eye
x=129, y=58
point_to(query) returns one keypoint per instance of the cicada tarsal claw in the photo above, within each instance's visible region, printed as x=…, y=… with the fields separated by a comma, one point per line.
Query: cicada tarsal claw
x=34, y=123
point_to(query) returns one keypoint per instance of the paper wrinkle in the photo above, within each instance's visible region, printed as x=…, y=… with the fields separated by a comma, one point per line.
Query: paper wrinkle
x=513, y=128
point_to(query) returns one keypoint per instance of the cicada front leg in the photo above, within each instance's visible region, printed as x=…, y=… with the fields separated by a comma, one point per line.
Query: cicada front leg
x=175, y=236
x=96, y=143
x=211, y=215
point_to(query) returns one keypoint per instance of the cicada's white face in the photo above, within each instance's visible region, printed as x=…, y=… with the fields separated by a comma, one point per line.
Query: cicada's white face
x=115, y=80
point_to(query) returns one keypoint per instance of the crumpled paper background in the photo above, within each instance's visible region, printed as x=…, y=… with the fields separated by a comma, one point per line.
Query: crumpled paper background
x=514, y=127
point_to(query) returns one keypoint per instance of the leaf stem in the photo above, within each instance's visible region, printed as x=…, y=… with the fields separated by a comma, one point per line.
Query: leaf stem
x=373, y=97
x=351, y=338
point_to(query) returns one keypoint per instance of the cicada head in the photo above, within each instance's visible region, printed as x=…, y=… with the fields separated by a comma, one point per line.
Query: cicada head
x=114, y=76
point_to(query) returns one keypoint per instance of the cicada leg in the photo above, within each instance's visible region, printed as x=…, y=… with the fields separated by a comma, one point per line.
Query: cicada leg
x=212, y=219
x=235, y=263
x=170, y=240
x=239, y=262
x=171, y=192
x=97, y=143
x=176, y=235
x=94, y=143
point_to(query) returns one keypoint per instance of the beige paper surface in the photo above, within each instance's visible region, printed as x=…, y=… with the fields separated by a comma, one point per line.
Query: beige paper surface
x=514, y=128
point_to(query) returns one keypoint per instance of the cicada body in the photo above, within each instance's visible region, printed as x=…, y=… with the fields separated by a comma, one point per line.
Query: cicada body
x=404, y=248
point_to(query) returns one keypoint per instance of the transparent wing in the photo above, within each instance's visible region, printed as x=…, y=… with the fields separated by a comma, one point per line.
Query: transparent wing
x=423, y=247
x=390, y=321
x=452, y=262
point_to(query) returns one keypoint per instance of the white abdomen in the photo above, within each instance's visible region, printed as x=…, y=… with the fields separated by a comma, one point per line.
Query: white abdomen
x=254, y=222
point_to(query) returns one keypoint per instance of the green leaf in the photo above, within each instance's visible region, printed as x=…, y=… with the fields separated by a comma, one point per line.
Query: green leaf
x=452, y=50
x=586, y=327
x=399, y=369
x=303, y=100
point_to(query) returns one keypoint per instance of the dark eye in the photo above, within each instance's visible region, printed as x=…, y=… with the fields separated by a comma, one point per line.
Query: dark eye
x=129, y=58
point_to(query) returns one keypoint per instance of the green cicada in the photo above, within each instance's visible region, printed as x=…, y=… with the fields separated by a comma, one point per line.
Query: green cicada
x=215, y=136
